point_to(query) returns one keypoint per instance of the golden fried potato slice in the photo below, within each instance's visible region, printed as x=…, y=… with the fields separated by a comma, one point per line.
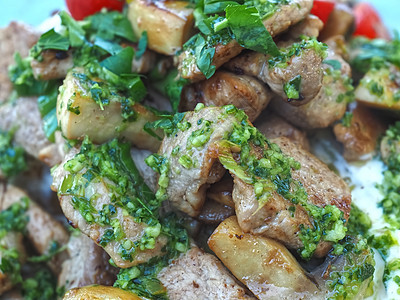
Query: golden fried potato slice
x=99, y=292
x=379, y=88
x=168, y=23
x=265, y=266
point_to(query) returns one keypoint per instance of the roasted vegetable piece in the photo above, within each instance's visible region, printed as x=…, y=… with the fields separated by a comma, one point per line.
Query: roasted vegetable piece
x=168, y=23
x=380, y=88
x=99, y=292
x=92, y=108
x=265, y=266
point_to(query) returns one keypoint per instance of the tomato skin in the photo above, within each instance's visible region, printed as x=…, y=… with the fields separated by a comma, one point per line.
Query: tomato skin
x=322, y=9
x=80, y=9
x=368, y=22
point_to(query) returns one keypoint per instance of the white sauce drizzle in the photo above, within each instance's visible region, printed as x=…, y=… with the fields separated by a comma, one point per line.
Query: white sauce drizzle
x=363, y=178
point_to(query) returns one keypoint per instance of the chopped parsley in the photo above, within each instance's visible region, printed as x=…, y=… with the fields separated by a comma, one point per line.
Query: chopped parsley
x=12, y=157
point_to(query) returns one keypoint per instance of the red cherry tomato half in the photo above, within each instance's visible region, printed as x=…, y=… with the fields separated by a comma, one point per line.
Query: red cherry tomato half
x=80, y=9
x=322, y=9
x=368, y=22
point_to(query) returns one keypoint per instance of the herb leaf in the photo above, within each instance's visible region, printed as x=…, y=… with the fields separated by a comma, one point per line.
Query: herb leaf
x=120, y=63
x=249, y=31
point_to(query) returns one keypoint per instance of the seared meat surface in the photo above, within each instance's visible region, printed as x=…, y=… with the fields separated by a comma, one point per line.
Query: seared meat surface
x=192, y=168
x=87, y=264
x=307, y=64
x=328, y=106
x=16, y=37
x=224, y=88
x=272, y=126
x=101, y=195
x=23, y=113
x=199, y=275
x=275, y=219
x=284, y=17
x=42, y=229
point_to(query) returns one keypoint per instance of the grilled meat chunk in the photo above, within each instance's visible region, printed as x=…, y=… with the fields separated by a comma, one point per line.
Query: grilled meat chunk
x=328, y=106
x=87, y=264
x=16, y=37
x=273, y=126
x=42, y=229
x=191, y=165
x=54, y=65
x=360, y=136
x=25, y=116
x=284, y=16
x=305, y=64
x=101, y=192
x=198, y=275
x=224, y=88
x=275, y=219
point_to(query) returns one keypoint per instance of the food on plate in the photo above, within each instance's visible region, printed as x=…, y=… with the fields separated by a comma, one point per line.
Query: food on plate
x=200, y=150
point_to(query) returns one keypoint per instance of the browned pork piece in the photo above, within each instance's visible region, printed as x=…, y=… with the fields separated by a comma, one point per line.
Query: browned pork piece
x=42, y=229
x=191, y=165
x=221, y=191
x=265, y=266
x=11, y=241
x=329, y=105
x=199, y=275
x=12, y=295
x=304, y=64
x=340, y=21
x=360, y=136
x=24, y=115
x=56, y=64
x=245, y=92
x=79, y=115
x=310, y=26
x=275, y=219
x=15, y=37
x=283, y=17
x=273, y=126
x=53, y=65
x=213, y=212
x=100, y=192
x=88, y=264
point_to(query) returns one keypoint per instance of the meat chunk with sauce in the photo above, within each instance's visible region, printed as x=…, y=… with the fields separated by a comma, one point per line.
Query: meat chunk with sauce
x=100, y=192
x=191, y=165
x=88, y=264
x=360, y=136
x=272, y=126
x=224, y=88
x=199, y=275
x=305, y=64
x=25, y=116
x=283, y=17
x=328, y=106
x=275, y=219
x=42, y=229
x=16, y=37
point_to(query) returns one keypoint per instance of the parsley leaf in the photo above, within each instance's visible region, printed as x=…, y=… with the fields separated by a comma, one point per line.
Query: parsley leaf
x=249, y=31
x=142, y=45
x=50, y=40
x=120, y=63
x=204, y=56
